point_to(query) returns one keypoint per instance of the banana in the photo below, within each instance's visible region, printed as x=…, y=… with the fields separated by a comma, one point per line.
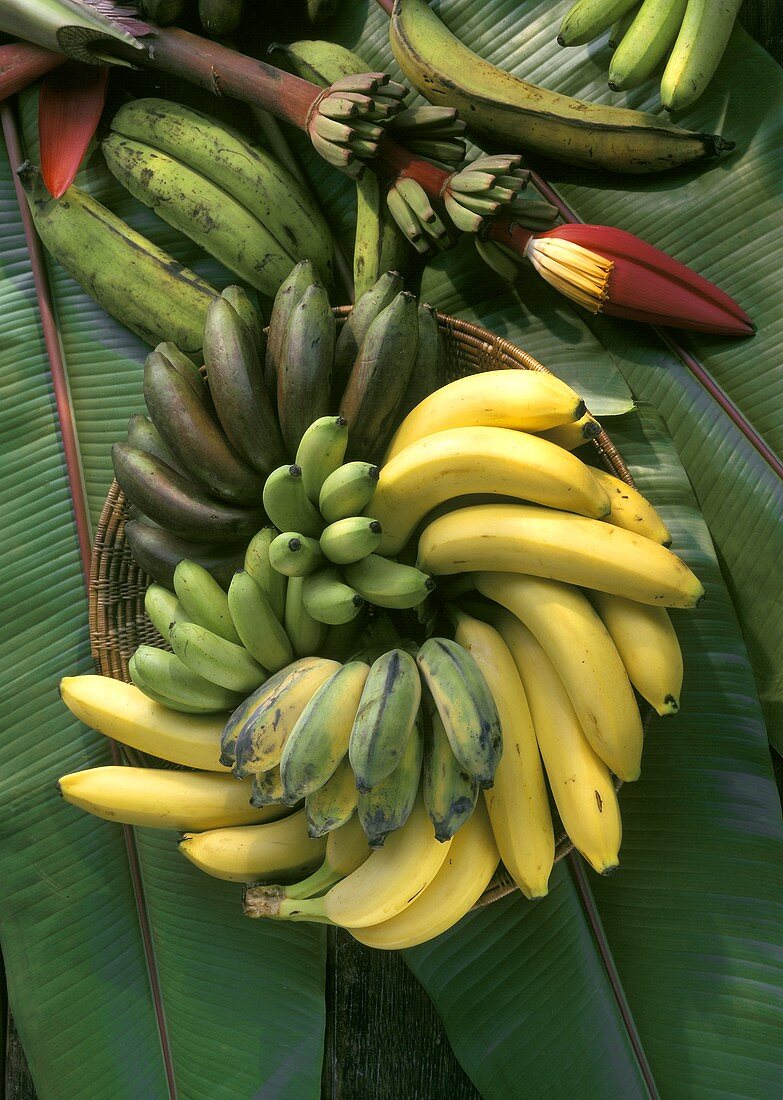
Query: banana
x=221, y=662
x=306, y=633
x=219, y=18
x=348, y=491
x=517, y=803
x=320, y=452
x=350, y=539
x=466, y=707
x=139, y=284
x=258, y=565
x=573, y=435
x=158, y=553
x=236, y=720
x=328, y=600
x=177, y=685
x=201, y=210
x=385, y=719
x=304, y=377
x=248, y=314
x=580, y=782
x=125, y=714
x=278, y=849
x=346, y=849
x=275, y=709
x=461, y=461
x=632, y=511
x=383, y=886
x=697, y=51
x=581, y=649
x=343, y=641
x=288, y=295
x=267, y=788
x=367, y=307
x=163, y=609
x=503, y=107
x=620, y=27
x=501, y=261
x=204, y=601
x=449, y=791
x=387, y=806
x=185, y=366
x=163, y=799
x=388, y=583
x=286, y=503
x=525, y=400
x=378, y=244
x=561, y=546
x=257, y=626
x=162, y=12
x=589, y=18
x=236, y=383
x=295, y=555
x=461, y=880
x=143, y=435
x=646, y=42
x=429, y=367
x=333, y=804
x=648, y=647
x=319, y=740
x=379, y=378
x=321, y=62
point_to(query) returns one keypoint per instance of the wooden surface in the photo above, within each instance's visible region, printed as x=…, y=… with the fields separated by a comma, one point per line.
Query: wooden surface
x=384, y=1039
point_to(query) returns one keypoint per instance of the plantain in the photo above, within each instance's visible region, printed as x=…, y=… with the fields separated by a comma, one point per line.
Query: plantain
x=381, y=294
x=305, y=375
x=143, y=434
x=158, y=553
x=288, y=296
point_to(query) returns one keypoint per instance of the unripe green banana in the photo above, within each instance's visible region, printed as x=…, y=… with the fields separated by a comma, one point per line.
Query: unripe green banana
x=348, y=491
x=258, y=565
x=295, y=555
x=378, y=245
x=429, y=367
x=387, y=583
x=619, y=28
x=257, y=625
x=379, y=378
x=328, y=600
x=344, y=640
x=589, y=18
x=170, y=678
x=304, y=378
x=496, y=257
x=465, y=705
x=221, y=662
x=158, y=553
x=185, y=366
x=249, y=316
x=144, y=685
x=204, y=600
x=219, y=17
x=286, y=503
x=162, y=12
x=351, y=539
x=321, y=62
x=367, y=307
x=450, y=792
x=288, y=296
x=139, y=284
x=319, y=740
x=320, y=452
x=387, y=806
x=333, y=804
x=646, y=42
x=699, y=46
x=163, y=609
x=236, y=383
x=387, y=713
x=143, y=434
x=306, y=633
x=267, y=788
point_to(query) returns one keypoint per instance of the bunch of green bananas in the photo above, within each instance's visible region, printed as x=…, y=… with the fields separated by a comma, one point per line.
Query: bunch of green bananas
x=693, y=33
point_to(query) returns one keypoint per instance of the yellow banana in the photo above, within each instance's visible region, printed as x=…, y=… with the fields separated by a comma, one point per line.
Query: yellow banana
x=631, y=510
x=574, y=434
x=346, y=849
x=249, y=853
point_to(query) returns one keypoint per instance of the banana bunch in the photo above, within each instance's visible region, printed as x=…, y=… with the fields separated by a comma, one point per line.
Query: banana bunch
x=346, y=122
x=486, y=187
x=230, y=197
x=693, y=34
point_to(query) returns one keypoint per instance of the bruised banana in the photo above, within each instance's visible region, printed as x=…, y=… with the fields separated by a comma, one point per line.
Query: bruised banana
x=449, y=791
x=267, y=788
x=269, y=851
x=334, y=804
x=387, y=806
x=385, y=718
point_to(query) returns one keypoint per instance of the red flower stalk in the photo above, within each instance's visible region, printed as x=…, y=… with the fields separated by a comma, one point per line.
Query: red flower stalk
x=69, y=109
x=21, y=63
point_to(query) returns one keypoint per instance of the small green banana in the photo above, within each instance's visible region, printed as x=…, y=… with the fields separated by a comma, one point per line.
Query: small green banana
x=170, y=679
x=295, y=555
x=697, y=51
x=286, y=503
x=367, y=307
x=387, y=583
x=496, y=257
x=406, y=220
x=346, y=850
x=288, y=296
x=387, y=806
x=333, y=804
x=257, y=564
x=221, y=662
x=348, y=491
x=321, y=62
x=204, y=600
x=163, y=609
x=328, y=600
x=588, y=18
x=320, y=452
x=257, y=625
x=306, y=633
x=619, y=27
x=350, y=539
x=378, y=245
x=386, y=716
x=304, y=377
x=450, y=792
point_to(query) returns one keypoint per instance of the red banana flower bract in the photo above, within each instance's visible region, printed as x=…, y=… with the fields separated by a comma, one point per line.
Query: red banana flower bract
x=69, y=108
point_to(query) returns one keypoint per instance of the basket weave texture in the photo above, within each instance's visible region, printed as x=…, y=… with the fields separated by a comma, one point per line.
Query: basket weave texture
x=117, y=619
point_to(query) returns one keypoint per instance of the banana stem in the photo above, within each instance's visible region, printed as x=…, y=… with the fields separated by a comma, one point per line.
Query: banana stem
x=315, y=883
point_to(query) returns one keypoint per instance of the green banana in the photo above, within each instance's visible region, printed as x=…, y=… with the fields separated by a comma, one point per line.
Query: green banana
x=646, y=42
x=304, y=377
x=139, y=284
x=306, y=633
x=319, y=11
x=179, y=505
x=185, y=366
x=267, y=788
x=501, y=261
x=194, y=436
x=204, y=600
x=236, y=383
x=143, y=434
x=295, y=555
x=343, y=641
x=158, y=553
x=257, y=564
x=288, y=296
x=387, y=806
x=465, y=705
x=321, y=62
x=320, y=452
x=351, y=539
x=387, y=583
x=259, y=629
x=219, y=18
x=386, y=716
x=378, y=244
x=221, y=662
x=162, y=12
x=319, y=740
x=619, y=28
x=700, y=44
x=589, y=18
x=348, y=491
x=328, y=600
x=367, y=307
x=418, y=207
x=248, y=314
x=144, y=686
x=286, y=503
x=450, y=792
x=170, y=679
x=246, y=172
x=333, y=804
x=429, y=367
x=163, y=609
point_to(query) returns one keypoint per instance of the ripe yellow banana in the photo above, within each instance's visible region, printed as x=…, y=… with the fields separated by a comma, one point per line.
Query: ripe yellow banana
x=463, y=877
x=559, y=545
x=125, y=714
x=460, y=461
x=631, y=510
x=580, y=782
x=526, y=400
x=579, y=646
x=249, y=853
x=517, y=803
x=648, y=646
x=159, y=799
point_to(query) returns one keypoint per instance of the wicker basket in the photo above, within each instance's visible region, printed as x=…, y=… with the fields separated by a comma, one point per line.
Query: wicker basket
x=118, y=622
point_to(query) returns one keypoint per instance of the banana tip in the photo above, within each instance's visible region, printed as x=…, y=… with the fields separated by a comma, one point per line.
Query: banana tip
x=560, y=40
x=670, y=706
